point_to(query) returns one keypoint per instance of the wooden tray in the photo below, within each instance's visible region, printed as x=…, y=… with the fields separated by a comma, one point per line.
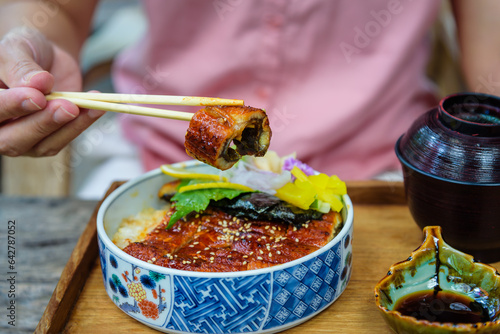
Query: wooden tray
x=384, y=233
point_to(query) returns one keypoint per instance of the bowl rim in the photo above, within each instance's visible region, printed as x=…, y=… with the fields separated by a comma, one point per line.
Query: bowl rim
x=101, y=233
x=440, y=178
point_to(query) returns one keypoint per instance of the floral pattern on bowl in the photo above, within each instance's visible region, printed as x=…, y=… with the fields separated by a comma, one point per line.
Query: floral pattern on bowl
x=437, y=267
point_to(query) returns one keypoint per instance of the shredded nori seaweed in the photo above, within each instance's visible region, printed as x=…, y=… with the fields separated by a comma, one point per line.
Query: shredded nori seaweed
x=262, y=206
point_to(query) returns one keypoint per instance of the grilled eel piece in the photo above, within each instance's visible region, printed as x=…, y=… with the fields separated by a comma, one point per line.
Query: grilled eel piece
x=215, y=241
x=212, y=130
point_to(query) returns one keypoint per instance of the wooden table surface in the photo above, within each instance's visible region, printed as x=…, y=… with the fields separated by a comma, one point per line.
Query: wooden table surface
x=46, y=232
x=384, y=233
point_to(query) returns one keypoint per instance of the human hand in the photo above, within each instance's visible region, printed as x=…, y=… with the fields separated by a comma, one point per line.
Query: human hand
x=31, y=66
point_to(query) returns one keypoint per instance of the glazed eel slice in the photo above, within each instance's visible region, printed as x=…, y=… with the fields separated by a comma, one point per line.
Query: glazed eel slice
x=214, y=129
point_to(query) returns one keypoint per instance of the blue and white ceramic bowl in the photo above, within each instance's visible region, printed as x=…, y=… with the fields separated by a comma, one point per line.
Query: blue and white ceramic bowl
x=255, y=301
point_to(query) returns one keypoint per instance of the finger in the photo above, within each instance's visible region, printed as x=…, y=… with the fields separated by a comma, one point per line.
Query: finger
x=22, y=134
x=54, y=143
x=18, y=102
x=26, y=56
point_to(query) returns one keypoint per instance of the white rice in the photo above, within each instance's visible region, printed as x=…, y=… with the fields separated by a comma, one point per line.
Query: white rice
x=136, y=228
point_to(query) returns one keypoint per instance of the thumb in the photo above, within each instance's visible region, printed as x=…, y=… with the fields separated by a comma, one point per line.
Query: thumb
x=25, y=57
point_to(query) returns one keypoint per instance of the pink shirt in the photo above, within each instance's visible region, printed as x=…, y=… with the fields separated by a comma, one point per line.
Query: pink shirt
x=340, y=80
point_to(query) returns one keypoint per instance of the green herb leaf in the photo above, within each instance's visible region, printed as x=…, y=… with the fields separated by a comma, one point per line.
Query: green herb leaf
x=197, y=200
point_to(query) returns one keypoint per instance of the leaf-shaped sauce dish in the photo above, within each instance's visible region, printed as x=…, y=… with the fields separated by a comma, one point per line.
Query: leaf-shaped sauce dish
x=439, y=289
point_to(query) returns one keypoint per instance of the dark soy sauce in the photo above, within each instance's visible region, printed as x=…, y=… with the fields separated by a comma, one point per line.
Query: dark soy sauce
x=442, y=306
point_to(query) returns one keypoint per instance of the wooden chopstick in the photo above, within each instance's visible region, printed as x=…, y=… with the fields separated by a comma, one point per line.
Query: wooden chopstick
x=126, y=108
x=116, y=103
x=150, y=99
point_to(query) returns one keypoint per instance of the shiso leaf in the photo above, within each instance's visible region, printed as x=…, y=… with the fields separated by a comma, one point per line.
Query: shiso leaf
x=197, y=200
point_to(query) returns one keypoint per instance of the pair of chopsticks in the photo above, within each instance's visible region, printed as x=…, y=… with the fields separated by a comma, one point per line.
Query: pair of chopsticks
x=118, y=103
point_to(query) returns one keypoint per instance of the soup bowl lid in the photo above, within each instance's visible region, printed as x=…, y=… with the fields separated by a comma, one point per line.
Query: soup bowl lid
x=458, y=140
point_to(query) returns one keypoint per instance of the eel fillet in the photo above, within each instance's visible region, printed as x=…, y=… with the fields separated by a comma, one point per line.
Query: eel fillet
x=212, y=130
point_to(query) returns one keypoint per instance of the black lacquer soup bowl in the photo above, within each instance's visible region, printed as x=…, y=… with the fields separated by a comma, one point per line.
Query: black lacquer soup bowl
x=451, y=165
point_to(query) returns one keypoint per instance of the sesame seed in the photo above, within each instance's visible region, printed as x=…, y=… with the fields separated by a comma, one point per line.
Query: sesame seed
x=270, y=255
x=245, y=256
x=278, y=252
x=198, y=252
x=267, y=227
x=244, y=262
x=207, y=248
x=259, y=258
x=260, y=251
x=149, y=261
x=296, y=239
x=153, y=259
x=212, y=258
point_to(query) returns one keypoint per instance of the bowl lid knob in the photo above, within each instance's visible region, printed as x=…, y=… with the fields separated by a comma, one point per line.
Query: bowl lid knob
x=472, y=114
